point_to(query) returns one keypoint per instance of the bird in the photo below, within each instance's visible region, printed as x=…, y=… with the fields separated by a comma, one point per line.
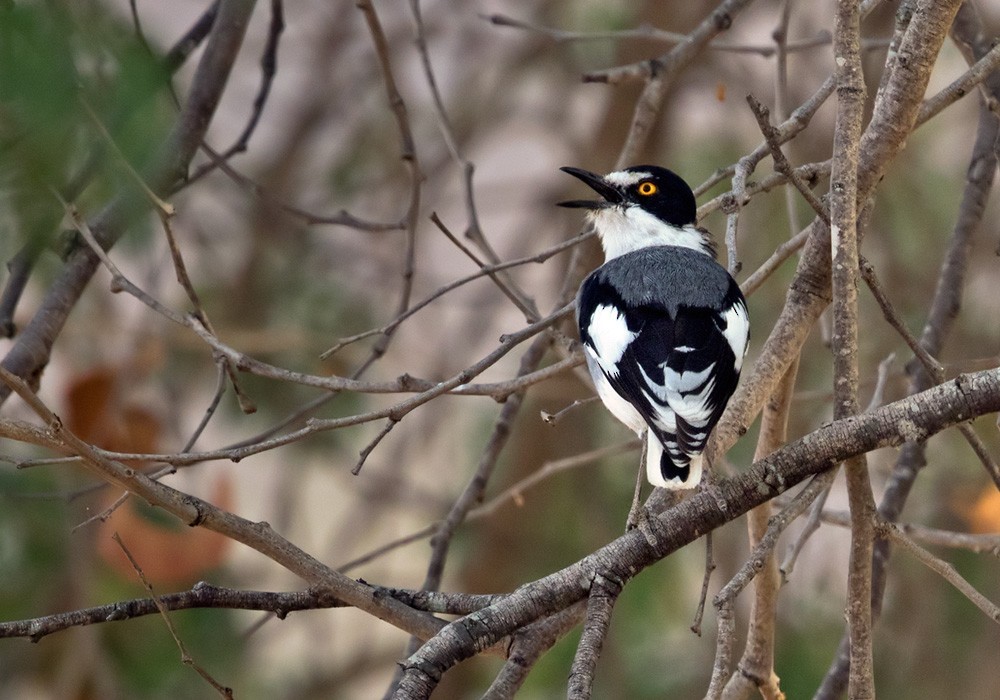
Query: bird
x=664, y=327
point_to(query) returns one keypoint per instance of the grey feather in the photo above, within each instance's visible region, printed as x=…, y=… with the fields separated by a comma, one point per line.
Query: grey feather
x=669, y=276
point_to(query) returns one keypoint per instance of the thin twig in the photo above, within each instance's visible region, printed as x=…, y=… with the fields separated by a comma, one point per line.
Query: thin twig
x=553, y=418
x=483, y=271
x=961, y=86
x=246, y=404
x=389, y=425
x=932, y=536
x=186, y=657
x=268, y=69
x=163, y=207
x=647, y=32
x=220, y=390
x=311, y=218
x=515, y=493
x=473, y=231
x=705, y=581
x=512, y=494
x=784, y=251
x=809, y=529
x=946, y=570
x=408, y=155
x=780, y=36
x=781, y=164
x=929, y=363
x=505, y=283
x=881, y=378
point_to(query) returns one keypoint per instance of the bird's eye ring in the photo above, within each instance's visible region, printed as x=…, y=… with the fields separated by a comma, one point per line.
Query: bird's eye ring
x=647, y=188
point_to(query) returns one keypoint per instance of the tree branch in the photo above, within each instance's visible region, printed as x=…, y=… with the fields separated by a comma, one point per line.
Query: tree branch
x=30, y=353
x=844, y=238
x=916, y=417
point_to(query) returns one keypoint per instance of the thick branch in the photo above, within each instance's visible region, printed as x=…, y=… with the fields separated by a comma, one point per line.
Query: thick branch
x=917, y=417
x=809, y=293
x=844, y=237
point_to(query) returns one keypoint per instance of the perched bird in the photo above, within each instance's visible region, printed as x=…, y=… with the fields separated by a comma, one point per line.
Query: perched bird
x=664, y=326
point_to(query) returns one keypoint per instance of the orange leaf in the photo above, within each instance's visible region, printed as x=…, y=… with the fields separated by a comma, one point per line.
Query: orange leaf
x=170, y=554
x=984, y=515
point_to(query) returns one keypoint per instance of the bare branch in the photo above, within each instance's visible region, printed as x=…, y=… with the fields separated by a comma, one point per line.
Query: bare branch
x=755, y=670
x=186, y=657
x=970, y=395
x=781, y=163
x=660, y=72
x=197, y=512
x=268, y=69
x=844, y=237
x=710, y=567
x=946, y=570
x=600, y=603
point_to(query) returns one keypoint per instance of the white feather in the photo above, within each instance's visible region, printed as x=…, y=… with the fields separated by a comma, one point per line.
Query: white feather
x=610, y=335
x=625, y=178
x=693, y=408
x=737, y=331
x=626, y=228
x=685, y=381
x=619, y=407
x=654, y=452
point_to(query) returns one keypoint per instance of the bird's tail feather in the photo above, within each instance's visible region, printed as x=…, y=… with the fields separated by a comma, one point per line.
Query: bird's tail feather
x=662, y=471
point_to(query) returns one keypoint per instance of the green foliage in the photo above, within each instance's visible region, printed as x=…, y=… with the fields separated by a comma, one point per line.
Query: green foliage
x=147, y=660
x=32, y=542
x=65, y=79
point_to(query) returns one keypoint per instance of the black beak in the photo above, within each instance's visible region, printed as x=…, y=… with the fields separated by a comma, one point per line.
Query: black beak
x=611, y=195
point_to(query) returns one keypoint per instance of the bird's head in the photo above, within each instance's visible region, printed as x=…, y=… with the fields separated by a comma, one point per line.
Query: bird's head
x=640, y=206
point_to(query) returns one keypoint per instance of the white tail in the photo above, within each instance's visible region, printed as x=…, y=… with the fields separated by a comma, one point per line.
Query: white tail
x=654, y=453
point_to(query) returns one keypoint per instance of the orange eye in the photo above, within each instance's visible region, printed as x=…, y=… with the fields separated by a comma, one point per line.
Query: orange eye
x=647, y=188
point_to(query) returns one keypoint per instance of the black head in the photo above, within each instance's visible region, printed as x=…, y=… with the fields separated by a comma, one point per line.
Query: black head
x=659, y=191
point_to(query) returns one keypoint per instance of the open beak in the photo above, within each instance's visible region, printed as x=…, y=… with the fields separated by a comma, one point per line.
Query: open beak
x=611, y=194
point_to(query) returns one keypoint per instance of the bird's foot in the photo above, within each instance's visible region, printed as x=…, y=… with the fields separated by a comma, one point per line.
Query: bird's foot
x=638, y=519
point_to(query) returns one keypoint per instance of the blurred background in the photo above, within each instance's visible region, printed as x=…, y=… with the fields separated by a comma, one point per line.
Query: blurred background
x=284, y=290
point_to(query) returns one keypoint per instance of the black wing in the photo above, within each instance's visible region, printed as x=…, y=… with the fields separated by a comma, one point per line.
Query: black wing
x=681, y=362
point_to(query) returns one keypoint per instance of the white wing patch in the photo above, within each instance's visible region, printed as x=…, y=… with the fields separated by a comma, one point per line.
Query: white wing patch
x=737, y=331
x=610, y=336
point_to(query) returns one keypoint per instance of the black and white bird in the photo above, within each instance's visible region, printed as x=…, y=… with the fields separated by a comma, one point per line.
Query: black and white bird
x=664, y=326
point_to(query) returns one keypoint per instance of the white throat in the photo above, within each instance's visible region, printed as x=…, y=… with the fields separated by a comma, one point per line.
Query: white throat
x=624, y=229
